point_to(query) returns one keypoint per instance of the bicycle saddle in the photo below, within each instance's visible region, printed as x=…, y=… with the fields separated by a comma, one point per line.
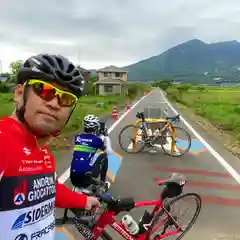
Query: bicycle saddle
x=175, y=178
x=140, y=115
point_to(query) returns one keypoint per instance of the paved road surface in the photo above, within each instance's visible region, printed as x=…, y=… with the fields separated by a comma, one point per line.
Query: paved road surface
x=220, y=215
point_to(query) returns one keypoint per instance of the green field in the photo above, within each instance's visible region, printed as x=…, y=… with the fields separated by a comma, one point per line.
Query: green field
x=216, y=88
x=220, y=106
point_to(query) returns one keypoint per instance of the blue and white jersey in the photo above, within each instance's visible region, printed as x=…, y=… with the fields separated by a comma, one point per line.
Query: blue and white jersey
x=86, y=149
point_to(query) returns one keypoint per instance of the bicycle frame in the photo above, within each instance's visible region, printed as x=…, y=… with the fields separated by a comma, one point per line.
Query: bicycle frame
x=151, y=121
x=107, y=219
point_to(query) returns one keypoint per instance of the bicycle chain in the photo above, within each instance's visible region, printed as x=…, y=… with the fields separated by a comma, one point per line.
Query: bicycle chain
x=84, y=229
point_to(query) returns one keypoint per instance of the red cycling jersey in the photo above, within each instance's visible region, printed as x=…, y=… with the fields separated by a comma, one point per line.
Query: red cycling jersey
x=29, y=190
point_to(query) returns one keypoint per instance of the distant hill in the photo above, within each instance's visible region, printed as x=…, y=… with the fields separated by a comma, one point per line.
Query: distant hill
x=193, y=60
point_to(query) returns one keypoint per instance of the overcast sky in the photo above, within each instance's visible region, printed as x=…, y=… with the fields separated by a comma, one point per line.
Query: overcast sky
x=96, y=33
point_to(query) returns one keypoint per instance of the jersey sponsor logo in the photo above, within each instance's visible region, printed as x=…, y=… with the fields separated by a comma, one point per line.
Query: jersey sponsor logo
x=82, y=140
x=26, y=151
x=20, y=193
x=21, y=236
x=37, y=235
x=32, y=161
x=34, y=216
x=30, y=169
x=29, y=190
x=46, y=230
x=78, y=139
x=19, y=199
x=42, y=187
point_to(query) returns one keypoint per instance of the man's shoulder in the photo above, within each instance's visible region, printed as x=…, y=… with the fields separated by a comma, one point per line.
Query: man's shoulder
x=9, y=126
x=5, y=129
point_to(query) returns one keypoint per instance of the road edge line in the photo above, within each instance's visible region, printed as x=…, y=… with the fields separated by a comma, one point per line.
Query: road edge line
x=214, y=153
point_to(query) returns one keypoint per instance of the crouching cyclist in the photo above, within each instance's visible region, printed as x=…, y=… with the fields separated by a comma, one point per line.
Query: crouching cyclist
x=90, y=154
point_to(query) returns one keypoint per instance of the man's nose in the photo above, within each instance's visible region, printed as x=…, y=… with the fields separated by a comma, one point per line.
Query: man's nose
x=54, y=103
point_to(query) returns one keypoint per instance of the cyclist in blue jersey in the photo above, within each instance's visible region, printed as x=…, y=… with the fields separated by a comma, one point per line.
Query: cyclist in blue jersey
x=90, y=154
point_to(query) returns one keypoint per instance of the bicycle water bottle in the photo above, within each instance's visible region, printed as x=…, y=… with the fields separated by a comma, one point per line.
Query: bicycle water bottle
x=129, y=223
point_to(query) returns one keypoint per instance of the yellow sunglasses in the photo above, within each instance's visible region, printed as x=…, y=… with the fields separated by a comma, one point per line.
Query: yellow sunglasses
x=48, y=92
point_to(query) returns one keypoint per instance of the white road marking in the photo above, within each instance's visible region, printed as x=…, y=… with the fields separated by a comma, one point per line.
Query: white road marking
x=64, y=177
x=215, y=154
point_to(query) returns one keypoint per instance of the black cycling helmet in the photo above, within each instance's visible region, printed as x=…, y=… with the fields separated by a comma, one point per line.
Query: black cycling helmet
x=50, y=68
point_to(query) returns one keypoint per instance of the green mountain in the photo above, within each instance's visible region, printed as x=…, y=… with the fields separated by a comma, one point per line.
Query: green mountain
x=193, y=60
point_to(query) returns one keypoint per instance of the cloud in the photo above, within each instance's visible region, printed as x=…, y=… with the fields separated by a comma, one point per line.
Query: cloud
x=97, y=33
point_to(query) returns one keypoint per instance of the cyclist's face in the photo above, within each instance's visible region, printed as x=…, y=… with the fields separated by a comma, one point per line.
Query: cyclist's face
x=44, y=116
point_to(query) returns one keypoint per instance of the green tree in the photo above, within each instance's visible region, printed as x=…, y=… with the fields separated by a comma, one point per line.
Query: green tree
x=163, y=84
x=91, y=83
x=14, y=68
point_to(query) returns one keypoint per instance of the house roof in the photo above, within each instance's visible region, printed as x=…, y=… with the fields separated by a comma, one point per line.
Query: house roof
x=111, y=81
x=83, y=69
x=111, y=68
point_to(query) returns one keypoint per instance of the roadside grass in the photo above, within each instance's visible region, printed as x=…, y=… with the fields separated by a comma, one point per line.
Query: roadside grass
x=221, y=108
x=7, y=105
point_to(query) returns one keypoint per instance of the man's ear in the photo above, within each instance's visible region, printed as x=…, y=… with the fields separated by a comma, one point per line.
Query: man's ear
x=18, y=94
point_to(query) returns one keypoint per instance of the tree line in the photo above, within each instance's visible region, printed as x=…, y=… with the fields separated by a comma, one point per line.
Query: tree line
x=6, y=85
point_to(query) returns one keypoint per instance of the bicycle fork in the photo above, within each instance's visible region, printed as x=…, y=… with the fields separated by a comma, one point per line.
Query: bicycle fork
x=171, y=221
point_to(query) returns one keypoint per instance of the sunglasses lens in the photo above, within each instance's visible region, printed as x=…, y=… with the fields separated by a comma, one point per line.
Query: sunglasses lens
x=67, y=100
x=44, y=91
x=48, y=93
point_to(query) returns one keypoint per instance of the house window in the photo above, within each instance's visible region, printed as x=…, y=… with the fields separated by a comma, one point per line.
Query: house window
x=117, y=74
x=108, y=88
x=107, y=74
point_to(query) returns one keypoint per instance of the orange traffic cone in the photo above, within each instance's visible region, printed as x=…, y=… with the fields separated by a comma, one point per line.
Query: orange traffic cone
x=114, y=114
x=128, y=107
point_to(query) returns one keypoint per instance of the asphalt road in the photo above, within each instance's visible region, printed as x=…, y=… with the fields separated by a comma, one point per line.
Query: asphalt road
x=220, y=214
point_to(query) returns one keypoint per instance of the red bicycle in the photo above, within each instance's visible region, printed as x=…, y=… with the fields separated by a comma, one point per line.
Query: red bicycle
x=93, y=227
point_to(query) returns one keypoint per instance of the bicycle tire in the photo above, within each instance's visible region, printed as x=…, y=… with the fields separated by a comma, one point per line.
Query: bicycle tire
x=180, y=153
x=106, y=236
x=60, y=221
x=120, y=142
x=195, y=216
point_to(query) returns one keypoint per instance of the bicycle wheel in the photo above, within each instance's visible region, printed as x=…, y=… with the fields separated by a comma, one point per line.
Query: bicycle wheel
x=163, y=212
x=178, y=144
x=136, y=136
x=106, y=236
